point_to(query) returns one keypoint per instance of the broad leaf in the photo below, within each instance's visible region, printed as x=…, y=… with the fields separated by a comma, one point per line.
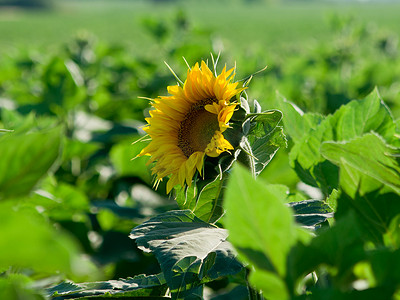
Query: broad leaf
x=350, y=121
x=263, y=149
x=189, y=250
x=138, y=286
x=340, y=246
x=368, y=154
x=262, y=228
x=311, y=212
x=25, y=159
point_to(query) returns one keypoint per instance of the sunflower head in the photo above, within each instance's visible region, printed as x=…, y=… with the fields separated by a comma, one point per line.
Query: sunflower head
x=190, y=124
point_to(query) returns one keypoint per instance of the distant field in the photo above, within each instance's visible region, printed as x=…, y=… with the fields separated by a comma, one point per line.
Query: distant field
x=237, y=24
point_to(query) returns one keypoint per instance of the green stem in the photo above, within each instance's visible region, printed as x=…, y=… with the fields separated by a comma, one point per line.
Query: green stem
x=253, y=294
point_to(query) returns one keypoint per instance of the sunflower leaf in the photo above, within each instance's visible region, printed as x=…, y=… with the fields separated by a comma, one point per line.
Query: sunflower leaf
x=189, y=250
x=262, y=229
x=26, y=158
x=370, y=155
x=350, y=121
x=312, y=212
x=141, y=285
x=263, y=123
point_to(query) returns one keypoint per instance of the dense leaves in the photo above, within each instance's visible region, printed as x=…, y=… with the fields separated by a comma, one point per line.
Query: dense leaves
x=323, y=225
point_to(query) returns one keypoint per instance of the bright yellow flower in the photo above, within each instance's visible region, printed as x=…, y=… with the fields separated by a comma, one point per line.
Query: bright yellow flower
x=189, y=124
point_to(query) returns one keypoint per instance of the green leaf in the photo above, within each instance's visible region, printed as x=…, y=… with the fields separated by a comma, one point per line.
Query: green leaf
x=368, y=154
x=138, y=286
x=374, y=204
x=350, y=121
x=385, y=263
x=189, y=250
x=359, y=117
x=263, y=123
x=339, y=247
x=26, y=158
x=297, y=123
x=60, y=201
x=203, y=198
x=311, y=212
x=253, y=206
x=28, y=241
x=265, y=148
x=262, y=228
x=77, y=149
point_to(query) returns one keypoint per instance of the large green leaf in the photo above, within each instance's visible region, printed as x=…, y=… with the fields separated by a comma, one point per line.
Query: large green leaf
x=369, y=172
x=26, y=158
x=189, y=250
x=28, y=241
x=262, y=228
x=18, y=286
x=129, y=288
x=370, y=155
x=350, y=121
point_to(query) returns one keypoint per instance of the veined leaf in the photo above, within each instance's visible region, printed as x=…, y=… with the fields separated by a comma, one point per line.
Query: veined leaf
x=265, y=148
x=138, y=286
x=203, y=198
x=369, y=172
x=368, y=154
x=350, y=121
x=311, y=212
x=262, y=228
x=189, y=250
x=263, y=123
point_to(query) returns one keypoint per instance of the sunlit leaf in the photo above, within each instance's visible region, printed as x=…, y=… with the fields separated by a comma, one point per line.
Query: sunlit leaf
x=25, y=159
x=370, y=155
x=189, y=250
x=350, y=121
x=262, y=228
x=138, y=286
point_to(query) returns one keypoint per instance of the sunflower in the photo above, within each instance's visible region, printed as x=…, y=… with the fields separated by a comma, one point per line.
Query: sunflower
x=189, y=124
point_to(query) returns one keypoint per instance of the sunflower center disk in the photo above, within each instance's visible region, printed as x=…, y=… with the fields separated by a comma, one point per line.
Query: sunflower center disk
x=197, y=129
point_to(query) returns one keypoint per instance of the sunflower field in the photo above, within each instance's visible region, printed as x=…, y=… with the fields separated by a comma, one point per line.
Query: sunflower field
x=199, y=150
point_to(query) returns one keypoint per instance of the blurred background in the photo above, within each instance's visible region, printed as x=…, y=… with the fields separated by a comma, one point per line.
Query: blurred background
x=82, y=66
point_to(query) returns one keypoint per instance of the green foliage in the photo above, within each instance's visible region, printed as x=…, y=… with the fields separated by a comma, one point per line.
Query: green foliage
x=139, y=286
x=363, y=233
x=190, y=251
x=324, y=226
x=262, y=229
x=348, y=122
